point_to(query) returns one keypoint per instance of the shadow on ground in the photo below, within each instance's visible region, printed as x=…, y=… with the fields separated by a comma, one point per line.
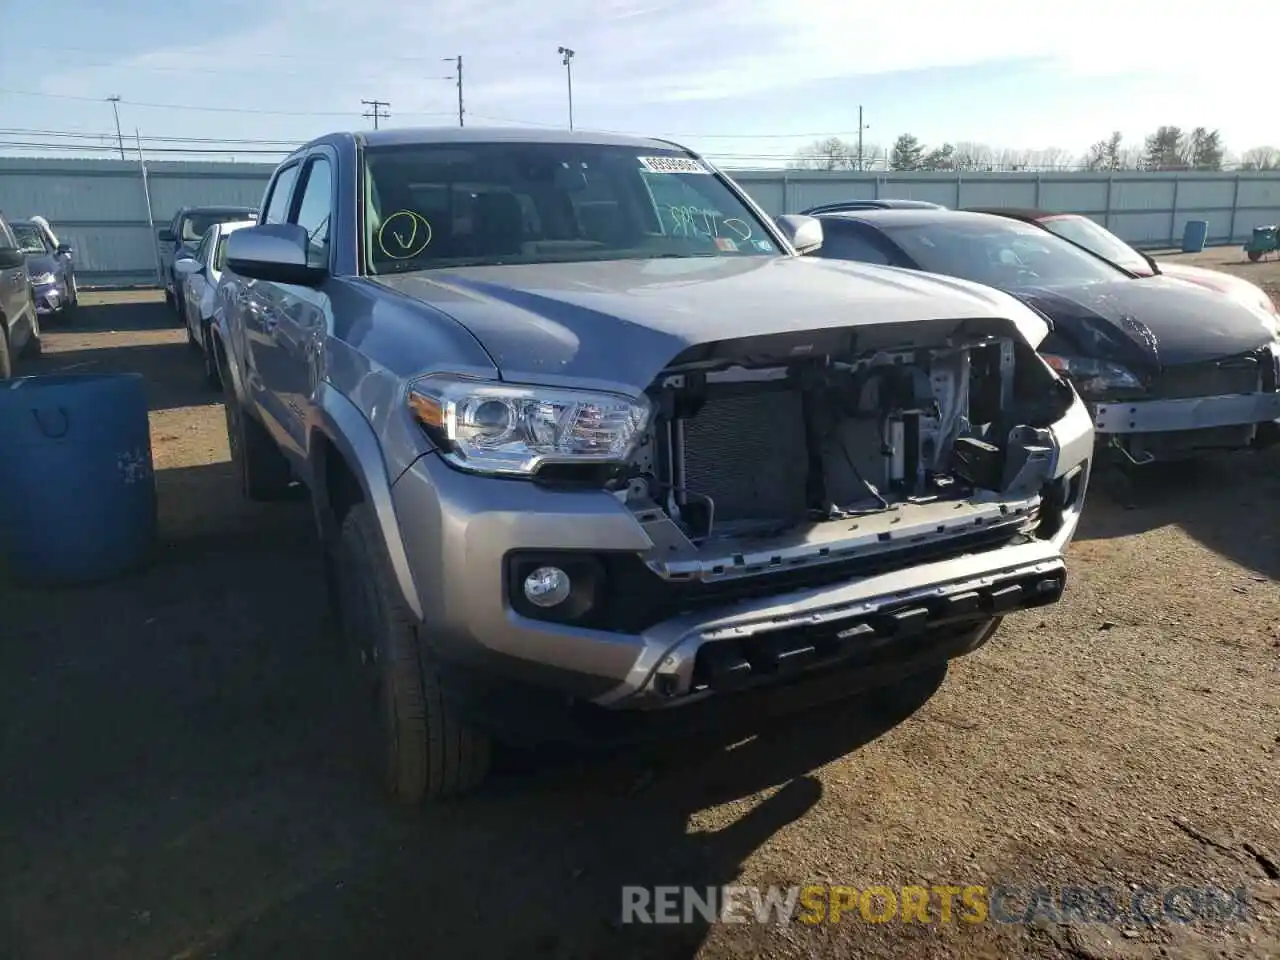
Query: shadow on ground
x=111, y=338
x=1231, y=504
x=120, y=312
x=195, y=779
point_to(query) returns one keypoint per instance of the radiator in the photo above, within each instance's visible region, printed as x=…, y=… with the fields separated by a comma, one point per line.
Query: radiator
x=748, y=453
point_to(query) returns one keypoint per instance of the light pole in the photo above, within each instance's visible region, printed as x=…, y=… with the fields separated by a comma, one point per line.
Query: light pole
x=115, y=108
x=567, y=54
x=457, y=62
x=861, y=127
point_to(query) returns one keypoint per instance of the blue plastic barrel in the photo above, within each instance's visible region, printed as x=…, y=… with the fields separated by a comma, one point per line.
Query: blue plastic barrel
x=77, y=489
x=1194, y=235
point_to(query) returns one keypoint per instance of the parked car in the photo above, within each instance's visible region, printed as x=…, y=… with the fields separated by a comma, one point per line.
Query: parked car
x=50, y=267
x=184, y=232
x=19, y=323
x=584, y=469
x=1097, y=239
x=882, y=203
x=1170, y=370
x=198, y=277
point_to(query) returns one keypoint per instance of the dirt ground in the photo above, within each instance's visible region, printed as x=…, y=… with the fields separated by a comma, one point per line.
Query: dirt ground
x=181, y=773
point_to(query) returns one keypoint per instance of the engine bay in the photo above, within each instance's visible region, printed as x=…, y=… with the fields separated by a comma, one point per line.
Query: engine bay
x=747, y=467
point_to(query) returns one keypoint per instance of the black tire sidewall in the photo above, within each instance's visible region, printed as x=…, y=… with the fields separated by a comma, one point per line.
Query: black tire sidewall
x=389, y=677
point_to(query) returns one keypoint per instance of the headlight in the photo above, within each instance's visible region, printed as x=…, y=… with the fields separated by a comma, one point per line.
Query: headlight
x=512, y=430
x=43, y=279
x=1094, y=377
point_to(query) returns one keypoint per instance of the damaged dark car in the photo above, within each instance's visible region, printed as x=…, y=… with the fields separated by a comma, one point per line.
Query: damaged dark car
x=1170, y=371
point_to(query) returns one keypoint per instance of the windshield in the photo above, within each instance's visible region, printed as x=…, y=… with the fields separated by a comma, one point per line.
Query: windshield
x=488, y=203
x=29, y=238
x=195, y=225
x=1101, y=241
x=1003, y=254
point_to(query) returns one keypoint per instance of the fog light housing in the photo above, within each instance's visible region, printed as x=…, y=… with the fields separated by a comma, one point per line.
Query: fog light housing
x=559, y=586
x=547, y=587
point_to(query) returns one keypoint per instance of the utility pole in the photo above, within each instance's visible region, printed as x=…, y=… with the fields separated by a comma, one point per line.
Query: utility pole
x=115, y=108
x=861, y=127
x=374, y=110
x=457, y=62
x=567, y=54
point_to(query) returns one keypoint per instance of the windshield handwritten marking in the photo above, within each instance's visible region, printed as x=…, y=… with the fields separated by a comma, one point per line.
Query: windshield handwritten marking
x=406, y=233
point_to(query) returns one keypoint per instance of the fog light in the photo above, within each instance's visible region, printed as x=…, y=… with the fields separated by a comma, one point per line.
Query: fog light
x=547, y=587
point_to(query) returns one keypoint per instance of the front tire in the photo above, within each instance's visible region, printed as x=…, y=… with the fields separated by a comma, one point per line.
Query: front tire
x=211, y=375
x=260, y=467
x=34, y=346
x=1255, y=256
x=429, y=752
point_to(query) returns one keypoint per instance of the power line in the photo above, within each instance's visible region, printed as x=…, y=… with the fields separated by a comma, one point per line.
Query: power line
x=374, y=110
x=799, y=135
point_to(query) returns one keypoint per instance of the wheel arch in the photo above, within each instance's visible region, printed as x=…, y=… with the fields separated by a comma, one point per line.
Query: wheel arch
x=346, y=466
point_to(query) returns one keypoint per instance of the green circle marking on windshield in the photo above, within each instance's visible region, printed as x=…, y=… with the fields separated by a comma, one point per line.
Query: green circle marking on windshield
x=404, y=235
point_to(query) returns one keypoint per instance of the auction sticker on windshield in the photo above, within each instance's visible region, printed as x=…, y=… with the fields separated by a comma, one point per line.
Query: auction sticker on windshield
x=673, y=165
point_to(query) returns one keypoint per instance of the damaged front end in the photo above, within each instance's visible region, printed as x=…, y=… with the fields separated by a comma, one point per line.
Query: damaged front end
x=915, y=470
x=753, y=465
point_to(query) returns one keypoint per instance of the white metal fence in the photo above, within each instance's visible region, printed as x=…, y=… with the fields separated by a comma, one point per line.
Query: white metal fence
x=100, y=205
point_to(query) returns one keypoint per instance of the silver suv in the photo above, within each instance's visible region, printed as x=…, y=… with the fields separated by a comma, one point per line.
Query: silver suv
x=594, y=449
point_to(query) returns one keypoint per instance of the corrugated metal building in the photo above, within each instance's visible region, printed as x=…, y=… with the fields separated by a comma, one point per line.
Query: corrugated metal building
x=100, y=205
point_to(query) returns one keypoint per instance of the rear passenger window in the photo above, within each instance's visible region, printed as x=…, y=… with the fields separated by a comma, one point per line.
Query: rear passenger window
x=281, y=190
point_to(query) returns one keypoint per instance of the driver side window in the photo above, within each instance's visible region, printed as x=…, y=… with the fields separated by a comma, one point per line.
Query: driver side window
x=278, y=203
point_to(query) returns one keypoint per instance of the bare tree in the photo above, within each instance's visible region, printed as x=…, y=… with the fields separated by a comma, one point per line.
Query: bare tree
x=1260, y=158
x=829, y=154
x=1010, y=159
x=973, y=156
x=1055, y=158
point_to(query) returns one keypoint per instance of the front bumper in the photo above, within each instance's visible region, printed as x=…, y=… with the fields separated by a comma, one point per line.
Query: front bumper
x=48, y=299
x=1195, y=413
x=459, y=532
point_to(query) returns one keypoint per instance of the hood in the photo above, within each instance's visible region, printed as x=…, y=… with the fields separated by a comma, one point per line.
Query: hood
x=41, y=263
x=623, y=321
x=1152, y=323
x=1235, y=287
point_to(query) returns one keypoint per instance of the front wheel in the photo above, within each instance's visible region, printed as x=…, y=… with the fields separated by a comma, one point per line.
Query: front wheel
x=1254, y=255
x=34, y=346
x=429, y=752
x=211, y=376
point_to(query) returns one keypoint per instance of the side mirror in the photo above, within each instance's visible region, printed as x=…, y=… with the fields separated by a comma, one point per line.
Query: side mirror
x=166, y=236
x=64, y=250
x=275, y=252
x=803, y=233
x=186, y=266
x=11, y=257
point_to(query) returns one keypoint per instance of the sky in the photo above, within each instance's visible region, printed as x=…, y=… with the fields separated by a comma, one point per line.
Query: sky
x=747, y=82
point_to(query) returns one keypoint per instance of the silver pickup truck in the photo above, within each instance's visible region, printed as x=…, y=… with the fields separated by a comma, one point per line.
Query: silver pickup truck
x=594, y=449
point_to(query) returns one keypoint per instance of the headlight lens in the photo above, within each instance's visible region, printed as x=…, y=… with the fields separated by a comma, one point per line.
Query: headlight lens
x=1094, y=377
x=513, y=430
x=43, y=279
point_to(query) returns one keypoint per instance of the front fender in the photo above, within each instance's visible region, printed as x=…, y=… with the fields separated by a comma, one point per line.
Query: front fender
x=224, y=339
x=344, y=427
